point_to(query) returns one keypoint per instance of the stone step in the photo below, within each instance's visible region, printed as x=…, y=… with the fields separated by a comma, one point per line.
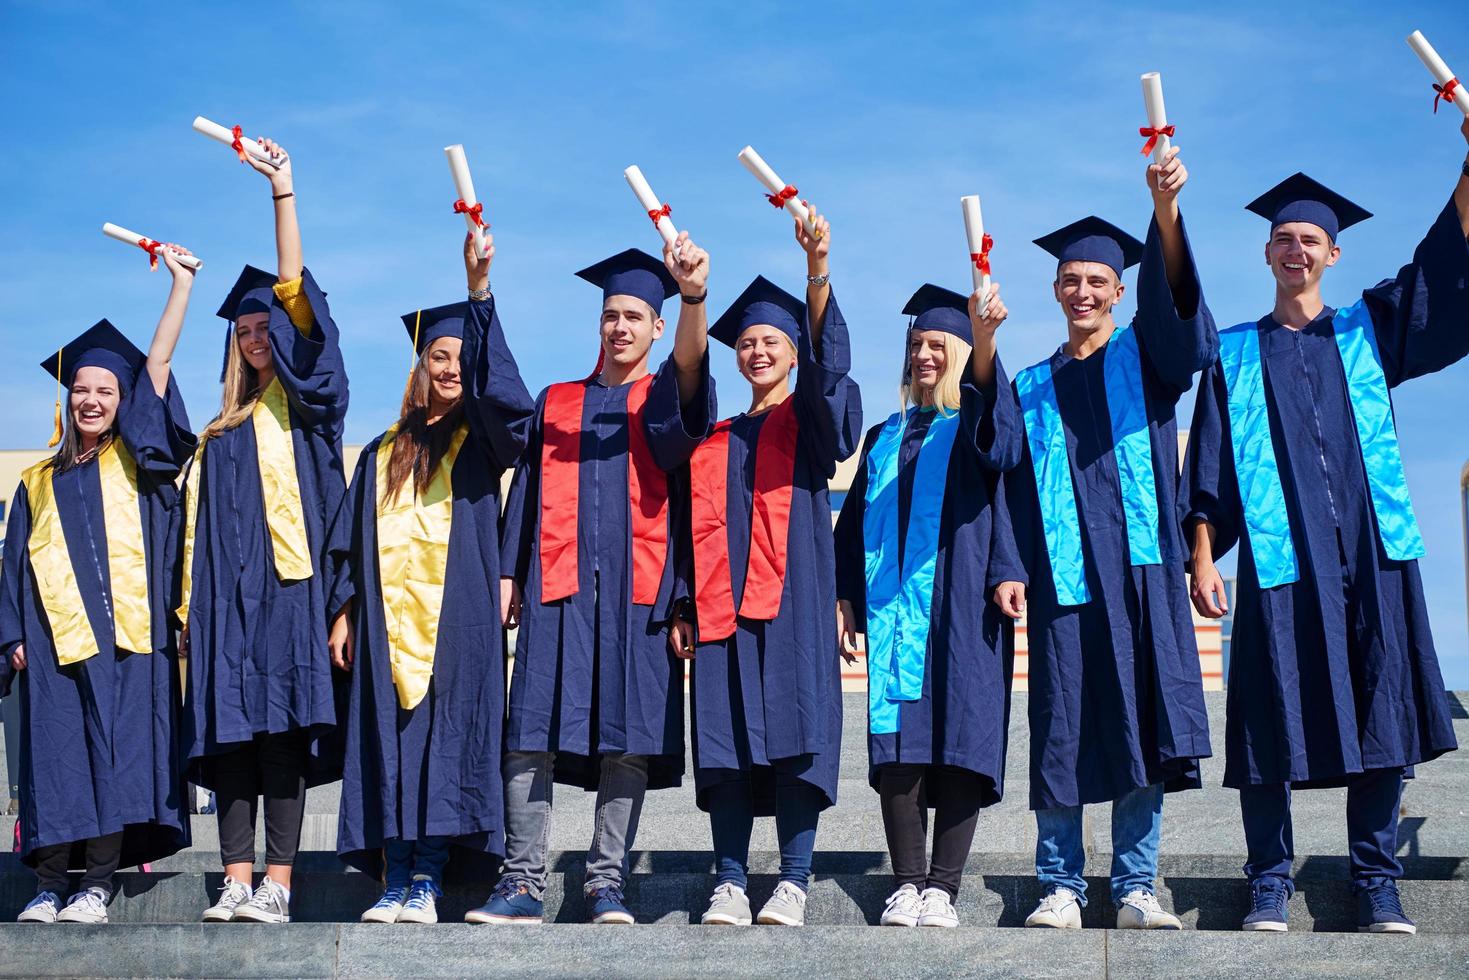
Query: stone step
x=996, y=897
x=648, y=952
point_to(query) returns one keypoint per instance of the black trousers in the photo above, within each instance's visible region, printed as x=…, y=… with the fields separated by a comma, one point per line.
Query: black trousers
x=907, y=792
x=53, y=865
x=273, y=766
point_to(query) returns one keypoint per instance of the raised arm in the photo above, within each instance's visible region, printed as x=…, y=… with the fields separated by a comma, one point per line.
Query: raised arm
x=818, y=292
x=827, y=400
x=496, y=402
x=984, y=322
x=171, y=323
x=283, y=192
x=689, y=266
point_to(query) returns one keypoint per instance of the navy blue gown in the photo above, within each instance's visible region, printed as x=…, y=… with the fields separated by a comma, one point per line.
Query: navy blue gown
x=773, y=690
x=593, y=672
x=1334, y=674
x=1116, y=694
x=258, y=661
x=101, y=751
x=434, y=770
x=962, y=719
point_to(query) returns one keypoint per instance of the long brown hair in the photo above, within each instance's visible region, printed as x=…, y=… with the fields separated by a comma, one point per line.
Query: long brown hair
x=418, y=448
x=70, y=449
x=240, y=392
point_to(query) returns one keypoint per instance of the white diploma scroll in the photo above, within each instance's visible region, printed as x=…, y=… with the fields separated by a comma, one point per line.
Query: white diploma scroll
x=1439, y=71
x=756, y=165
x=650, y=204
x=1157, y=115
x=464, y=186
x=227, y=136
x=147, y=244
x=978, y=254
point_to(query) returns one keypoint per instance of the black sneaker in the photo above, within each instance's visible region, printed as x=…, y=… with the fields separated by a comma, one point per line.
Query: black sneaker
x=1380, y=910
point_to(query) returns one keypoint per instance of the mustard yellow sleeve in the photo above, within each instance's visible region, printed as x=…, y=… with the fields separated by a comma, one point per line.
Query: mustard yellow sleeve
x=298, y=307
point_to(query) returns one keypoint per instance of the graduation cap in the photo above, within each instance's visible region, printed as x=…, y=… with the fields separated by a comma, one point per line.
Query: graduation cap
x=762, y=302
x=251, y=293
x=100, y=345
x=426, y=326
x=1299, y=198
x=633, y=273
x=1093, y=240
x=936, y=308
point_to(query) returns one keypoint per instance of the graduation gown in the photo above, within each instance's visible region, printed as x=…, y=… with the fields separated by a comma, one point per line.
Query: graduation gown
x=434, y=769
x=1335, y=673
x=962, y=718
x=773, y=690
x=593, y=672
x=258, y=660
x=1116, y=695
x=101, y=751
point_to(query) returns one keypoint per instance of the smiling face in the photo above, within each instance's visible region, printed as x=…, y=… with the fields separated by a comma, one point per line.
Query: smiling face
x=94, y=397
x=1298, y=253
x=252, y=333
x=1087, y=291
x=927, y=358
x=444, y=384
x=629, y=327
x=765, y=355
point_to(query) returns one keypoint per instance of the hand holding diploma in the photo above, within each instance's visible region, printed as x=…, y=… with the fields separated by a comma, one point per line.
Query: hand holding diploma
x=244, y=146
x=657, y=213
x=1158, y=132
x=467, y=204
x=782, y=195
x=153, y=248
x=688, y=264
x=979, y=243
x=1446, y=86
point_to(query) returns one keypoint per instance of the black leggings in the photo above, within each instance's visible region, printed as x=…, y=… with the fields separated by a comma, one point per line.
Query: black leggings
x=907, y=792
x=103, y=856
x=273, y=766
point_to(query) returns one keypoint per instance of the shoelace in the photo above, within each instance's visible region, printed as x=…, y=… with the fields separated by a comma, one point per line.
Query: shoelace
x=233, y=887
x=508, y=888
x=903, y=897
x=421, y=897
x=1057, y=900
x=393, y=896
x=90, y=900
x=1269, y=897
x=608, y=893
x=1385, y=899
x=727, y=890
x=939, y=901
x=45, y=898
x=265, y=896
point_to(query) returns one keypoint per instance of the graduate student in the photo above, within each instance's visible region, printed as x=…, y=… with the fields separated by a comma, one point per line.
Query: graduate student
x=259, y=505
x=421, y=626
x=1293, y=455
x=916, y=572
x=85, y=641
x=1116, y=697
x=596, y=695
x=766, y=700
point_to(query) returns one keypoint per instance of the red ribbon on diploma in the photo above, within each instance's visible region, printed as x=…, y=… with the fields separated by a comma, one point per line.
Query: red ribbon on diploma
x=1152, y=135
x=981, y=258
x=657, y=213
x=474, y=212
x=237, y=146
x=1444, y=93
x=151, y=247
x=779, y=200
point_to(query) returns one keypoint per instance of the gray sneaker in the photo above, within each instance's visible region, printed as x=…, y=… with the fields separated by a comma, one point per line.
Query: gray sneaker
x=231, y=896
x=42, y=908
x=729, y=906
x=787, y=907
x=89, y=906
x=268, y=904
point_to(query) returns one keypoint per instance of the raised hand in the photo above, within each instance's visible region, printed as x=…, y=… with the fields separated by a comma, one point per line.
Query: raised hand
x=169, y=252
x=994, y=312
x=280, y=175
x=688, y=264
x=817, y=246
x=1166, y=179
x=477, y=269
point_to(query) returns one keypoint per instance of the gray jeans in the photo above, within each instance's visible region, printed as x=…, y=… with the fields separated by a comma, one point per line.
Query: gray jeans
x=528, y=789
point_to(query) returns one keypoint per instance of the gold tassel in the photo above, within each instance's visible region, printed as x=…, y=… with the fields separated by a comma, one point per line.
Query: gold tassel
x=56, y=421
x=408, y=387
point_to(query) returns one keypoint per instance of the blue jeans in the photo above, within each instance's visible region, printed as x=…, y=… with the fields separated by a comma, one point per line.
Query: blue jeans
x=405, y=859
x=1137, y=822
x=732, y=820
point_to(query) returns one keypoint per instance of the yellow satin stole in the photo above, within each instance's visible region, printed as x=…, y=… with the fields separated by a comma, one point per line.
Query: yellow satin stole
x=127, y=560
x=412, y=560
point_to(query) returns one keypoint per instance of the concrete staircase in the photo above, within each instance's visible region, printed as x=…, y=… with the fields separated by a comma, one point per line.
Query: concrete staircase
x=155, y=930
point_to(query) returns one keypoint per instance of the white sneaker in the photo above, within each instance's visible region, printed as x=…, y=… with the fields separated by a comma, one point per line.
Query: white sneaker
x=1140, y=910
x=938, y=909
x=42, y=908
x=728, y=906
x=231, y=896
x=89, y=906
x=422, y=905
x=385, y=910
x=1058, y=910
x=270, y=903
x=787, y=907
x=904, y=907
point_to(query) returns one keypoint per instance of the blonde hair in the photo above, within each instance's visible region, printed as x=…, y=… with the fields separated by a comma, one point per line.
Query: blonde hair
x=240, y=392
x=946, y=391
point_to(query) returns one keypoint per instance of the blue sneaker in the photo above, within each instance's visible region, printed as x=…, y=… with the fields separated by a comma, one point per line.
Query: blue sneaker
x=1380, y=910
x=1268, y=895
x=387, y=908
x=511, y=902
x=606, y=907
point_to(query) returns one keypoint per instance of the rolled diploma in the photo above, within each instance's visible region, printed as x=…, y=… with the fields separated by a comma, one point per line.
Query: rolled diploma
x=650, y=202
x=974, y=229
x=1157, y=115
x=1438, y=69
x=134, y=239
x=464, y=185
x=756, y=165
x=227, y=136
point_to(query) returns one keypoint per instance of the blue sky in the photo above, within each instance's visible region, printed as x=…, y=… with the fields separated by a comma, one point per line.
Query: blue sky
x=883, y=115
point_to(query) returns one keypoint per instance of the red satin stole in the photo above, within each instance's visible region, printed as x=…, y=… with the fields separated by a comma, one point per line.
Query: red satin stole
x=770, y=521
